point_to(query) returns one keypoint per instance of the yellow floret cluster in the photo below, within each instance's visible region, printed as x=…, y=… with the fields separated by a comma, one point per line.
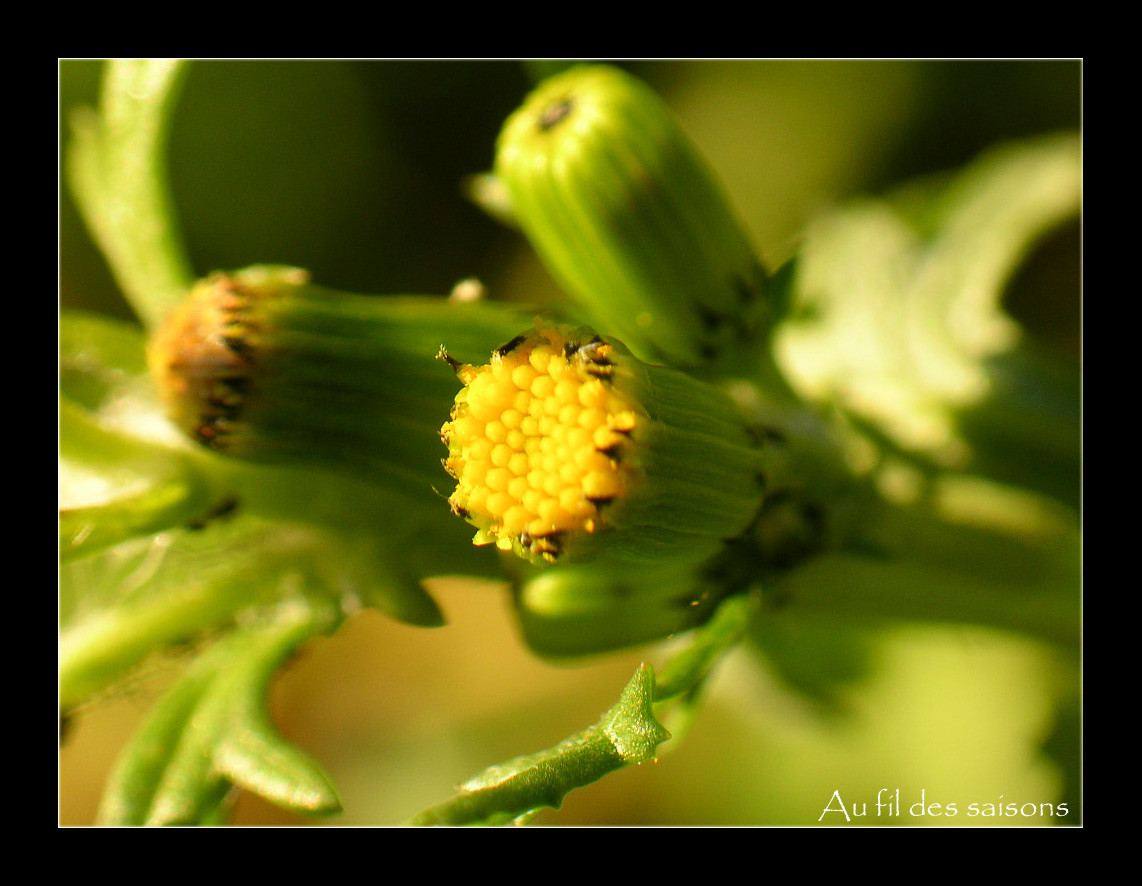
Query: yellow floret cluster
x=535, y=441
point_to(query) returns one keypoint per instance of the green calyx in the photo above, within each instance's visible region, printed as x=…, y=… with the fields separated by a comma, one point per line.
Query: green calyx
x=628, y=216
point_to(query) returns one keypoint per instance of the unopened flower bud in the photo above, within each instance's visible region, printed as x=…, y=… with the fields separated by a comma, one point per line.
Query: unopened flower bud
x=629, y=218
x=263, y=366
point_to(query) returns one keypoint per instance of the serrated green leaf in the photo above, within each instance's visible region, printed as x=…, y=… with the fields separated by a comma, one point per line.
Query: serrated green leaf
x=211, y=732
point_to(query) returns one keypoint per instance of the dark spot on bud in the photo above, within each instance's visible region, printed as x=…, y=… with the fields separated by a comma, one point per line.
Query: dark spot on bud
x=814, y=515
x=238, y=346
x=595, y=357
x=588, y=348
x=597, y=351
x=710, y=319
x=614, y=452
x=548, y=546
x=224, y=508
x=506, y=349
x=238, y=385
x=767, y=434
x=748, y=290
x=555, y=113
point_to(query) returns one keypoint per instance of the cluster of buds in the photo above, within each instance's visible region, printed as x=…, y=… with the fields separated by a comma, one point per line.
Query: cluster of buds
x=582, y=454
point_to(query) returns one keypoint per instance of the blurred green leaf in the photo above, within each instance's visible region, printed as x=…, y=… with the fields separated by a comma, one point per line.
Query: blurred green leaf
x=123, y=473
x=114, y=487
x=117, y=172
x=899, y=302
x=212, y=732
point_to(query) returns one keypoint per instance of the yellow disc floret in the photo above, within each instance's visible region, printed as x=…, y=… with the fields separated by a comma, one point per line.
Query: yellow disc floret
x=535, y=441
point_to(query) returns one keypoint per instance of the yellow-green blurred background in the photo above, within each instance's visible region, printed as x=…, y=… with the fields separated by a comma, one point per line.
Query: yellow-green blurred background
x=353, y=169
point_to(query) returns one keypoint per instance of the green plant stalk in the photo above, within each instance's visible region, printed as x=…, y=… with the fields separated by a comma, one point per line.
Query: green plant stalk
x=117, y=172
x=514, y=791
x=687, y=667
x=872, y=589
x=976, y=553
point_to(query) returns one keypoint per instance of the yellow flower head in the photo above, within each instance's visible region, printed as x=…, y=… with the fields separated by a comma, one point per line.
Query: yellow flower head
x=552, y=442
x=536, y=441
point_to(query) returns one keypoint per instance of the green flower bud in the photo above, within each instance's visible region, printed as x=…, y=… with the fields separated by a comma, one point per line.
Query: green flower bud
x=263, y=366
x=566, y=446
x=627, y=215
x=581, y=609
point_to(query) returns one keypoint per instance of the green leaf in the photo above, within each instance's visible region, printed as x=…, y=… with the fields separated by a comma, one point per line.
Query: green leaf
x=102, y=361
x=123, y=472
x=120, y=606
x=1028, y=430
x=516, y=790
x=114, y=487
x=814, y=654
x=212, y=732
x=898, y=303
x=117, y=173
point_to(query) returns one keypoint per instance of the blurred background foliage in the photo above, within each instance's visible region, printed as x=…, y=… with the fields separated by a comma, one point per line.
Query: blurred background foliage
x=354, y=170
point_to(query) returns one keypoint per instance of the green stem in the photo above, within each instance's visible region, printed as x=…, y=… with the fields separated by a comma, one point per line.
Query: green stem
x=628, y=733
x=855, y=587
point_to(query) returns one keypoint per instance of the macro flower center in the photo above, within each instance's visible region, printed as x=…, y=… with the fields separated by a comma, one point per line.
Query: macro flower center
x=535, y=441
